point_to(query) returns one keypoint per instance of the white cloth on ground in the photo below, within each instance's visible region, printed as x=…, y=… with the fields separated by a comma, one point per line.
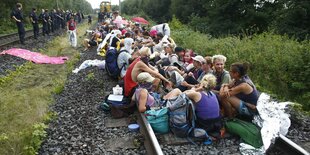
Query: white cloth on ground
x=273, y=121
x=89, y=63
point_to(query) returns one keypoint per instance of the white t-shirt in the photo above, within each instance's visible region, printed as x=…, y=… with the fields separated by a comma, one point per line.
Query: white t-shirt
x=160, y=28
x=122, y=58
x=128, y=44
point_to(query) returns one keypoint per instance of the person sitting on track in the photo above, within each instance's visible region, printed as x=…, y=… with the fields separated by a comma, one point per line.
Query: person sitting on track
x=94, y=41
x=222, y=76
x=241, y=94
x=206, y=103
x=139, y=65
x=190, y=78
x=146, y=85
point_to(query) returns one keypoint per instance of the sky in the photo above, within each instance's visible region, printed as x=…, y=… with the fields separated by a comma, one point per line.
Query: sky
x=96, y=3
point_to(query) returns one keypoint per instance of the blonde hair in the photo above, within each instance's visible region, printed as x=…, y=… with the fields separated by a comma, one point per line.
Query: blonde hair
x=208, y=81
x=145, y=51
x=219, y=57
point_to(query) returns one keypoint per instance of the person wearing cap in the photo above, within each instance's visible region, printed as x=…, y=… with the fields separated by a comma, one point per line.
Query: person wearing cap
x=206, y=68
x=222, y=76
x=142, y=95
x=139, y=65
x=205, y=101
x=192, y=76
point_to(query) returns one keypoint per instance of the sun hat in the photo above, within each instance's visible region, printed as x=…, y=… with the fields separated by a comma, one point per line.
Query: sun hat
x=199, y=58
x=145, y=77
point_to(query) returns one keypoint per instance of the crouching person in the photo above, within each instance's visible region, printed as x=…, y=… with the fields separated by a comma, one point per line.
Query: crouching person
x=143, y=94
x=206, y=104
x=71, y=25
x=94, y=41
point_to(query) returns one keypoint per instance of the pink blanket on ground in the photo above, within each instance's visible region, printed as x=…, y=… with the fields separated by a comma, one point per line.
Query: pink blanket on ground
x=34, y=56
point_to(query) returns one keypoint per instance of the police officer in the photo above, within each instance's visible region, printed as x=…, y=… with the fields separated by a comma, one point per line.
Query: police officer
x=17, y=15
x=44, y=17
x=34, y=20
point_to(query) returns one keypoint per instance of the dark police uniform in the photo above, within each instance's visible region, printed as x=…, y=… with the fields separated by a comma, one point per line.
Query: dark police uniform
x=20, y=25
x=35, y=24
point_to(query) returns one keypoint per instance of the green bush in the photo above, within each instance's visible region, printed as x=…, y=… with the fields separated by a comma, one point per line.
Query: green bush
x=279, y=65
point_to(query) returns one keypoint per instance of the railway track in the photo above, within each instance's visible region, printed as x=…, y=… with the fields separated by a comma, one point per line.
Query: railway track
x=13, y=37
x=152, y=146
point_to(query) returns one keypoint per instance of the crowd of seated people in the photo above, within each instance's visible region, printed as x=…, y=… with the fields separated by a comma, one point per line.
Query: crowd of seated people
x=155, y=64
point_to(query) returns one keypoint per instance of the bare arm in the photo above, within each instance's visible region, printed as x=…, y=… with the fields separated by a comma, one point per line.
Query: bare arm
x=225, y=91
x=193, y=95
x=17, y=20
x=145, y=68
x=142, y=100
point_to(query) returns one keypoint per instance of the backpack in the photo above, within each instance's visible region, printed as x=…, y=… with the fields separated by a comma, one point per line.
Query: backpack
x=248, y=132
x=111, y=63
x=182, y=118
x=122, y=108
x=158, y=120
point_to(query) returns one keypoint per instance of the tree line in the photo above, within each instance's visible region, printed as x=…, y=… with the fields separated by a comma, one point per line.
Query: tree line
x=8, y=5
x=229, y=17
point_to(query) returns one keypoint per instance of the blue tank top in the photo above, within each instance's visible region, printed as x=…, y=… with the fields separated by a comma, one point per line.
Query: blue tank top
x=208, y=106
x=249, y=98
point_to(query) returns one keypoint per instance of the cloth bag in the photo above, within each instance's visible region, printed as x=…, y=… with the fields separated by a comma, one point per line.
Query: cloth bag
x=158, y=120
x=248, y=132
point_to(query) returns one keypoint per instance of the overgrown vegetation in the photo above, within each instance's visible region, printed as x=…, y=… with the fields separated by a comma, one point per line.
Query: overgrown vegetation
x=226, y=17
x=26, y=94
x=279, y=65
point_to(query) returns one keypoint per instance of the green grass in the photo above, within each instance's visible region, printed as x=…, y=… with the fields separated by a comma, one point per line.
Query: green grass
x=26, y=94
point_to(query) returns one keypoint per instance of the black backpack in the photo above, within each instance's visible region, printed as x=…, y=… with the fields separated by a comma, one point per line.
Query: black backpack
x=111, y=63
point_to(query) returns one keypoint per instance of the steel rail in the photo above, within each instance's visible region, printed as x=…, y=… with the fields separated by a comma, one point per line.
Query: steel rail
x=289, y=147
x=151, y=143
x=13, y=37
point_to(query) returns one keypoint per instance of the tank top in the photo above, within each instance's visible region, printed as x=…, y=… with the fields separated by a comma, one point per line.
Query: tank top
x=129, y=84
x=249, y=98
x=208, y=106
x=150, y=99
